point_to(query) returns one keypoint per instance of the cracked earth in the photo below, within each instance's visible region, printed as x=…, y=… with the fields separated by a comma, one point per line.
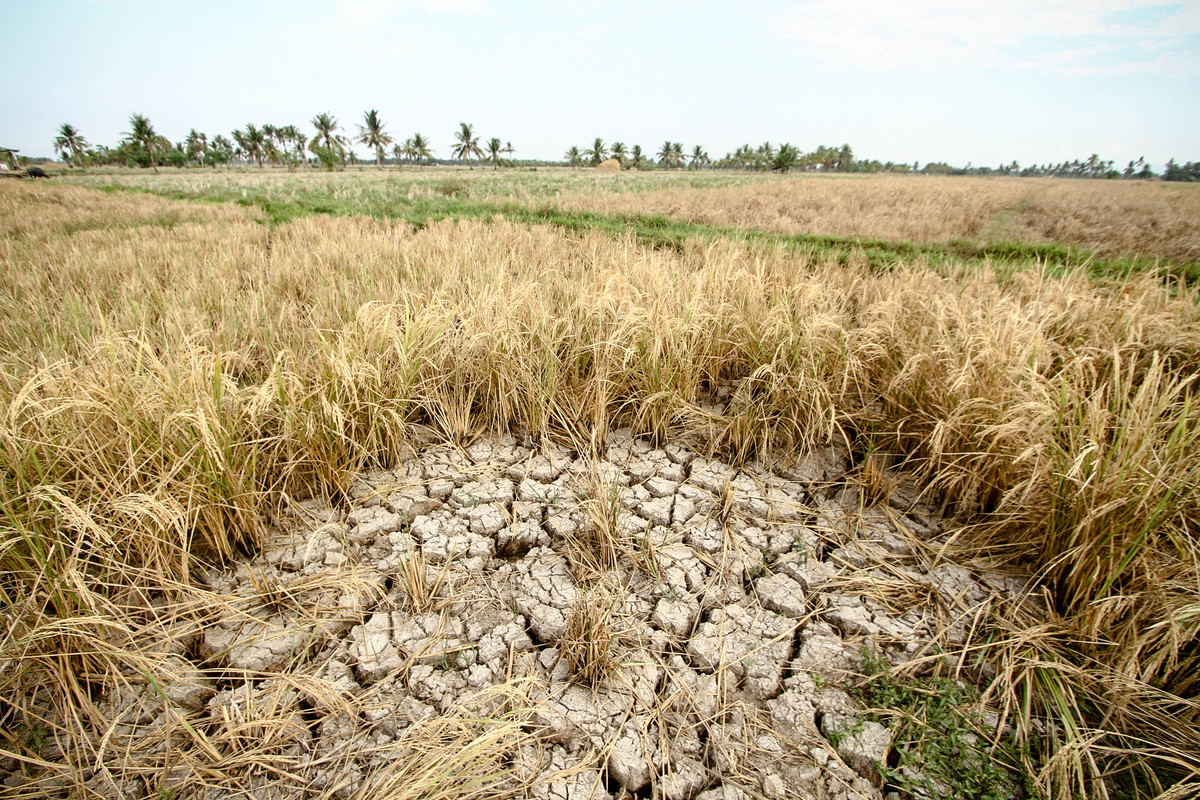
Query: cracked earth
x=684, y=629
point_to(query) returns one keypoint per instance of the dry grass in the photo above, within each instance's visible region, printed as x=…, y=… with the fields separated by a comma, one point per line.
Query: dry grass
x=38, y=213
x=162, y=388
x=589, y=644
x=1109, y=218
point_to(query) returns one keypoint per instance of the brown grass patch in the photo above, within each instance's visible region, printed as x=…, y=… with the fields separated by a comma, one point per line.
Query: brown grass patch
x=160, y=389
x=1111, y=218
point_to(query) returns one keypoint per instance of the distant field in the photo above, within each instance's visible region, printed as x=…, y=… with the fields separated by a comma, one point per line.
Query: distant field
x=372, y=188
x=1110, y=218
x=183, y=356
x=1113, y=226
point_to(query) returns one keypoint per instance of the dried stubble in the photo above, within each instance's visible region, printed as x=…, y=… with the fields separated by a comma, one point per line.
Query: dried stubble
x=194, y=375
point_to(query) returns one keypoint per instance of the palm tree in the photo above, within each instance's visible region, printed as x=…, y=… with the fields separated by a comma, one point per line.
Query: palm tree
x=699, y=157
x=665, y=154
x=508, y=149
x=288, y=134
x=255, y=143
x=785, y=158
x=194, y=145
x=70, y=140
x=573, y=156
x=142, y=132
x=420, y=148
x=743, y=157
x=372, y=135
x=239, y=139
x=495, y=148
x=637, y=157
x=220, y=151
x=597, y=151
x=619, y=151
x=468, y=143
x=677, y=154
x=272, y=152
x=326, y=124
x=765, y=155
x=845, y=158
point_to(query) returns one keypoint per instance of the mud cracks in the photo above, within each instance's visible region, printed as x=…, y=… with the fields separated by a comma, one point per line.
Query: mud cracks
x=668, y=626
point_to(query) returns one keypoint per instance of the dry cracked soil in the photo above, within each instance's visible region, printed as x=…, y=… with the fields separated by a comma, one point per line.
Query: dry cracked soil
x=682, y=629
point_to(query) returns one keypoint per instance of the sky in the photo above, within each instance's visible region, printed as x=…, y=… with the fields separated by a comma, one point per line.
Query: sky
x=960, y=81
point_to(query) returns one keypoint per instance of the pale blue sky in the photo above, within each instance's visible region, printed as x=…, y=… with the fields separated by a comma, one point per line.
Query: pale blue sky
x=953, y=80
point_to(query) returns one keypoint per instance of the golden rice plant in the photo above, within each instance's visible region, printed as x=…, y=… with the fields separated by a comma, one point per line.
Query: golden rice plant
x=161, y=388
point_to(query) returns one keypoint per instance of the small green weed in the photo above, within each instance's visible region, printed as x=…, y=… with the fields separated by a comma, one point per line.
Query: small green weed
x=937, y=733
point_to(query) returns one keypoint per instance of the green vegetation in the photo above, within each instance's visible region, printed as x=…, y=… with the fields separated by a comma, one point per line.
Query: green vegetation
x=944, y=747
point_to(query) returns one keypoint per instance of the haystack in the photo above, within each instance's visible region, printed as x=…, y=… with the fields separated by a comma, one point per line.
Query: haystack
x=612, y=165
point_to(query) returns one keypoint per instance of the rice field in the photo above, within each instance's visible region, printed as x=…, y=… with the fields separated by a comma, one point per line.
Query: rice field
x=186, y=356
x=1109, y=219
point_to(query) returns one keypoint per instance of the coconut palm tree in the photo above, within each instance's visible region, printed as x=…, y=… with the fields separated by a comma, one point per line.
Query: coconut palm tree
x=619, y=151
x=194, y=145
x=764, y=156
x=677, y=154
x=292, y=141
x=239, y=139
x=786, y=158
x=468, y=143
x=142, y=132
x=573, y=156
x=326, y=125
x=637, y=157
x=220, y=151
x=665, y=154
x=255, y=143
x=845, y=158
x=596, y=152
x=699, y=157
x=495, y=148
x=420, y=148
x=508, y=149
x=70, y=140
x=373, y=135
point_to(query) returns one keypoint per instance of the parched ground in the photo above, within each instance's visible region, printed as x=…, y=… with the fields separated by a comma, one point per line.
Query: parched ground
x=672, y=626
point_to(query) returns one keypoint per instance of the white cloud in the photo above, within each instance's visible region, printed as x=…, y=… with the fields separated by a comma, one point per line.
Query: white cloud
x=1060, y=35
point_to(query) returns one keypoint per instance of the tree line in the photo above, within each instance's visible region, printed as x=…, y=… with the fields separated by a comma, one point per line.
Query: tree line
x=767, y=156
x=330, y=146
x=1091, y=167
